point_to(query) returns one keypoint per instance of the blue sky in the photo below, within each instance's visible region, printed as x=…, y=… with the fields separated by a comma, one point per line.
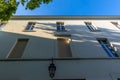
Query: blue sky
x=75, y=7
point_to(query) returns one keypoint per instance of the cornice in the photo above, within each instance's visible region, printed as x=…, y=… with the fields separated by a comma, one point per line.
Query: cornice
x=37, y=17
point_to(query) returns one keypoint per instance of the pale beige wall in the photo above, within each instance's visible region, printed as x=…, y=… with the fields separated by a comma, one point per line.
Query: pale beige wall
x=65, y=69
x=43, y=44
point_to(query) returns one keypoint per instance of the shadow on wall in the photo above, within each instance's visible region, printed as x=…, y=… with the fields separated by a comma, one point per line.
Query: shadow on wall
x=82, y=31
x=41, y=48
x=35, y=48
x=46, y=26
x=113, y=34
x=78, y=31
x=73, y=29
x=81, y=38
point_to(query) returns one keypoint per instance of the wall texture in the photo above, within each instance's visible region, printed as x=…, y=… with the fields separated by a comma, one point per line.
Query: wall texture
x=89, y=60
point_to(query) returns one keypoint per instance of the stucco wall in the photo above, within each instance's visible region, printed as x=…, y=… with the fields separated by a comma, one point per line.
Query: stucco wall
x=65, y=69
x=42, y=44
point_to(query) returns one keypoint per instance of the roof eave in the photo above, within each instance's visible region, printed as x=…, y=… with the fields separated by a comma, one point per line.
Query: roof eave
x=37, y=17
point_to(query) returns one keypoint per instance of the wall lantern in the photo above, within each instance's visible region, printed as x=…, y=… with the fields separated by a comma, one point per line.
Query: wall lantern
x=52, y=69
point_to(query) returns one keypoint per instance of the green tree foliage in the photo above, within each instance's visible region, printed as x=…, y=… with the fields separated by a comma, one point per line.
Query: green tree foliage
x=9, y=7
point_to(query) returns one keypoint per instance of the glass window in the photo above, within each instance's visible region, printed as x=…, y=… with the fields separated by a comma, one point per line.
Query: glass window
x=116, y=24
x=108, y=48
x=30, y=26
x=91, y=27
x=60, y=26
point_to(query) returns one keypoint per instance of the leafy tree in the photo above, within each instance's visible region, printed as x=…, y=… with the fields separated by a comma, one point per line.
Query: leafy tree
x=9, y=7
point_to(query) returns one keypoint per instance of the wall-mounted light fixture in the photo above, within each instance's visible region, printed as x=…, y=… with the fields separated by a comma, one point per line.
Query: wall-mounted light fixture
x=52, y=69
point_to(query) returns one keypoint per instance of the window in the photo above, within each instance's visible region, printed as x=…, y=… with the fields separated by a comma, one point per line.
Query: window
x=18, y=49
x=91, y=27
x=116, y=24
x=60, y=26
x=2, y=25
x=61, y=31
x=30, y=26
x=107, y=47
x=64, y=47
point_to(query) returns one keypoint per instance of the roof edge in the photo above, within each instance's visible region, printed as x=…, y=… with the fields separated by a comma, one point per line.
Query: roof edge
x=37, y=17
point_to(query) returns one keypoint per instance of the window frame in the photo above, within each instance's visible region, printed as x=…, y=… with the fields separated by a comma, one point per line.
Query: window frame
x=60, y=27
x=67, y=42
x=30, y=27
x=106, y=45
x=116, y=24
x=14, y=46
x=91, y=28
x=2, y=24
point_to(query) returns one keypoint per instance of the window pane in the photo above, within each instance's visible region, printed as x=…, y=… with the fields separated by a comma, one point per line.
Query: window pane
x=109, y=49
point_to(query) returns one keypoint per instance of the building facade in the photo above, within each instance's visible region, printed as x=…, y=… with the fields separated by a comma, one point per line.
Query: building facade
x=82, y=48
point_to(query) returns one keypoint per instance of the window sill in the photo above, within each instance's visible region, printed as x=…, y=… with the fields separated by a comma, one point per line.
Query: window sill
x=61, y=30
x=29, y=31
x=62, y=33
x=95, y=31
